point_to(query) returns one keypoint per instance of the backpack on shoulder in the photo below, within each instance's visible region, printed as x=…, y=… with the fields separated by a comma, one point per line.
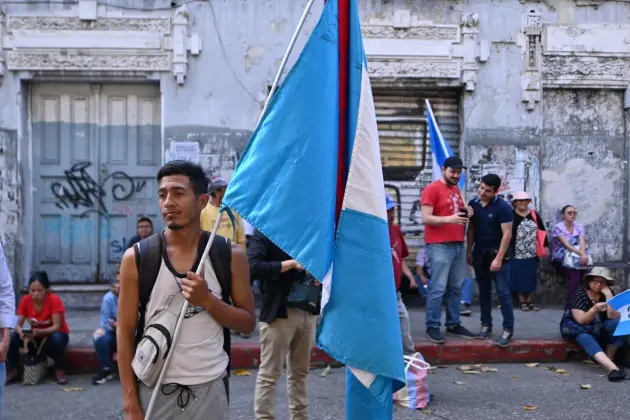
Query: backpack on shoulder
x=154, y=341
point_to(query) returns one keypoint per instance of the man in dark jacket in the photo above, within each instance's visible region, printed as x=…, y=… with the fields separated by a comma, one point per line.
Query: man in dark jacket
x=286, y=333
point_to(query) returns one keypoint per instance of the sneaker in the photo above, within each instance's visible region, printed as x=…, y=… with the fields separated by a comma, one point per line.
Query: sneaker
x=485, y=332
x=617, y=375
x=435, y=335
x=61, y=377
x=460, y=331
x=504, y=339
x=465, y=310
x=104, y=376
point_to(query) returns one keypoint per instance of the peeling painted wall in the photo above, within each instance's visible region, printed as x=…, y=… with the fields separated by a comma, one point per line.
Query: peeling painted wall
x=10, y=199
x=584, y=164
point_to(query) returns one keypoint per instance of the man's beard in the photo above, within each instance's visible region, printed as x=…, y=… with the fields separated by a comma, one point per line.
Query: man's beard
x=450, y=182
x=175, y=226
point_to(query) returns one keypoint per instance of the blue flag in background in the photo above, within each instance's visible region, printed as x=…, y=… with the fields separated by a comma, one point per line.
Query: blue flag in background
x=310, y=179
x=621, y=304
x=439, y=148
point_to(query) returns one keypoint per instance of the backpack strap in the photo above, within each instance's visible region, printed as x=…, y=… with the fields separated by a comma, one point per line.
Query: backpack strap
x=148, y=260
x=221, y=259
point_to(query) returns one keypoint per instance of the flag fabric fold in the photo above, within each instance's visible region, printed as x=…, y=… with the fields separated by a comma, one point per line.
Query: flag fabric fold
x=440, y=150
x=310, y=179
x=621, y=304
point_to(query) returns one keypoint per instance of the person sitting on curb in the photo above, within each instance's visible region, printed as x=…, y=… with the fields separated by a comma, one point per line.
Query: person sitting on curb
x=45, y=313
x=592, y=323
x=105, y=335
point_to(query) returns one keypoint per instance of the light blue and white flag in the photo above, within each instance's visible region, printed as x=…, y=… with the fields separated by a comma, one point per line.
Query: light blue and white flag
x=621, y=304
x=439, y=147
x=310, y=180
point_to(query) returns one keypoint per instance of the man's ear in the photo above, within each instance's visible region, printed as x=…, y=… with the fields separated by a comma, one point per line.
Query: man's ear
x=203, y=200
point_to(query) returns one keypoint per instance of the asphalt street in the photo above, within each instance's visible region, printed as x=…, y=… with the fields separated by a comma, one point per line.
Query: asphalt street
x=547, y=393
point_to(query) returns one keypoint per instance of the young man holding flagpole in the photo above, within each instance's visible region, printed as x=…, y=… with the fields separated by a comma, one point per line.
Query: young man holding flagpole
x=445, y=217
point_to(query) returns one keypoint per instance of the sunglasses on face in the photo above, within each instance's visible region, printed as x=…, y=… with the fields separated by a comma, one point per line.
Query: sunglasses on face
x=598, y=281
x=572, y=213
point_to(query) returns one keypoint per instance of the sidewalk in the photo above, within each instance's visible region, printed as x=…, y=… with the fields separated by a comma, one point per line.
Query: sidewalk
x=536, y=339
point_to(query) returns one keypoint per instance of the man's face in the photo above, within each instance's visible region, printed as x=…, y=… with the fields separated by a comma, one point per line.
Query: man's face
x=116, y=286
x=486, y=192
x=452, y=176
x=218, y=194
x=145, y=229
x=178, y=204
x=391, y=215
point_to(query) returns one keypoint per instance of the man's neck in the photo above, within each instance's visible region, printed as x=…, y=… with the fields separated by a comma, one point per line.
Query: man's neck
x=485, y=202
x=186, y=238
x=216, y=202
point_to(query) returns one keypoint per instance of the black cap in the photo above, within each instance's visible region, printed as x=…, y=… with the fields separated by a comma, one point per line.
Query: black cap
x=454, y=162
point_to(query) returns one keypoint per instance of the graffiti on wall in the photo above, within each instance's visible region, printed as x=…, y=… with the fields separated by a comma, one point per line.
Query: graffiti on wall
x=79, y=189
x=518, y=169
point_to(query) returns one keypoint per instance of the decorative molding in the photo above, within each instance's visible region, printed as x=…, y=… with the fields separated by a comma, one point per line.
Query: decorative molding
x=71, y=23
x=415, y=68
x=586, y=71
x=587, y=55
x=76, y=61
x=2, y=63
x=531, y=55
x=403, y=45
x=58, y=43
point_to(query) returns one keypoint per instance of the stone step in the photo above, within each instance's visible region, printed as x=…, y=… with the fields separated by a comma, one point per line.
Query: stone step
x=81, y=297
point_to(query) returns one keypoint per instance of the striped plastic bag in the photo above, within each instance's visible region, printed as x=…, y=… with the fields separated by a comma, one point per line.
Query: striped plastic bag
x=415, y=395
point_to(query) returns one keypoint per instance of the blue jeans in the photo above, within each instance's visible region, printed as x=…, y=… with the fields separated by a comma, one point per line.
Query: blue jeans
x=448, y=270
x=485, y=277
x=592, y=345
x=467, y=289
x=55, y=347
x=3, y=379
x=105, y=346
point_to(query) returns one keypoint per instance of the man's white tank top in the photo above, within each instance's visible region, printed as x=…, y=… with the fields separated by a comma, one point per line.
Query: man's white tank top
x=198, y=352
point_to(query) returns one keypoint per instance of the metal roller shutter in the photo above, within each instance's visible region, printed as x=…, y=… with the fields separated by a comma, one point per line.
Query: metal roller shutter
x=406, y=149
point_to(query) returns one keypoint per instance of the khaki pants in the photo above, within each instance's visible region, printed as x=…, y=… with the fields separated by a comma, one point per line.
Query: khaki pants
x=409, y=346
x=286, y=339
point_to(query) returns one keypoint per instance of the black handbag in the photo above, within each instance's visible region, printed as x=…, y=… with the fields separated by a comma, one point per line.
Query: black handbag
x=305, y=294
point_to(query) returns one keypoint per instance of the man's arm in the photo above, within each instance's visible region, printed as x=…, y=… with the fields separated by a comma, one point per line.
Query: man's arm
x=128, y=300
x=506, y=228
x=429, y=219
x=240, y=317
x=261, y=267
x=8, y=319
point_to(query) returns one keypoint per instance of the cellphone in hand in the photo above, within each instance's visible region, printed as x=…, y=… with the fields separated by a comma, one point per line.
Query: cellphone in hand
x=463, y=212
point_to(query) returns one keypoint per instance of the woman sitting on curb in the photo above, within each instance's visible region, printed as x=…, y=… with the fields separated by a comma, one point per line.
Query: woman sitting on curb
x=105, y=335
x=592, y=323
x=45, y=313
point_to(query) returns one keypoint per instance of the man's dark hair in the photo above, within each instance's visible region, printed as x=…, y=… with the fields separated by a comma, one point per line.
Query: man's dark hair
x=492, y=180
x=194, y=172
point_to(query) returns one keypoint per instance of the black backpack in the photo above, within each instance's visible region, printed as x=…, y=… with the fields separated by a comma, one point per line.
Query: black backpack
x=148, y=261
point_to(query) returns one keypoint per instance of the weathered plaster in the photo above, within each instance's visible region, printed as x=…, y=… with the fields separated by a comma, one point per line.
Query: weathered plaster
x=10, y=199
x=220, y=147
x=584, y=164
x=518, y=167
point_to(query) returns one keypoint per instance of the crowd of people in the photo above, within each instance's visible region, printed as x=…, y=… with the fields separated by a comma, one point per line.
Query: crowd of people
x=485, y=241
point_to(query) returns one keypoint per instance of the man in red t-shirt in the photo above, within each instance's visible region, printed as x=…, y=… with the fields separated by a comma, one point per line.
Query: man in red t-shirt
x=445, y=216
x=399, y=253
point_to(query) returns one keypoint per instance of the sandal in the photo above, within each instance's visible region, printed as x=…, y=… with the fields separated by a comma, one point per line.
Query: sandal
x=533, y=307
x=524, y=307
x=617, y=375
x=61, y=377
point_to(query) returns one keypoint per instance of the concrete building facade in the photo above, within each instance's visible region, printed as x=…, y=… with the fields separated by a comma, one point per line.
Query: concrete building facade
x=96, y=95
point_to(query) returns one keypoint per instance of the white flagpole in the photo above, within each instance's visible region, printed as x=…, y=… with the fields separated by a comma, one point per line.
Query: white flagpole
x=204, y=256
x=287, y=53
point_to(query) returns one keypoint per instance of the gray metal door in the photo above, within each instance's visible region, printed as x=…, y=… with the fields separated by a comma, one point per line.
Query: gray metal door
x=96, y=150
